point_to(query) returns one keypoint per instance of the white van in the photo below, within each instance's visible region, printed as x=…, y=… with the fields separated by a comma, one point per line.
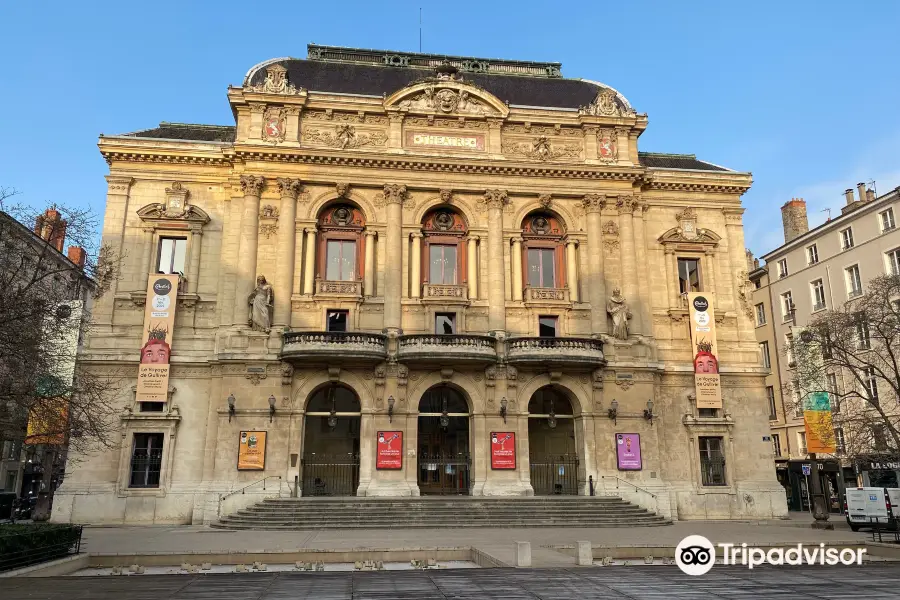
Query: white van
x=868, y=506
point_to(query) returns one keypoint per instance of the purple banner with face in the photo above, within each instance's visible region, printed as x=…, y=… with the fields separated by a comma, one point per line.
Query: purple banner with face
x=628, y=451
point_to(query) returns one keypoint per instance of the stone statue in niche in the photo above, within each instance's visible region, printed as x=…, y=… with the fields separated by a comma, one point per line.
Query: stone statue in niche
x=620, y=313
x=261, y=302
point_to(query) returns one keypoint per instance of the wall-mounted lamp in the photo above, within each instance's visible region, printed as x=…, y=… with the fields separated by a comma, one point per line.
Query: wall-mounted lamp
x=648, y=412
x=613, y=412
x=271, y=408
x=503, y=404
x=551, y=419
x=231, y=402
x=390, y=409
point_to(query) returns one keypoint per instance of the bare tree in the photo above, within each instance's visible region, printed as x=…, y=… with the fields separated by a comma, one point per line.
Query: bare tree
x=852, y=353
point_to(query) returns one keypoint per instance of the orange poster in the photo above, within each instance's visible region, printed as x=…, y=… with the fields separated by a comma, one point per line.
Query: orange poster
x=252, y=451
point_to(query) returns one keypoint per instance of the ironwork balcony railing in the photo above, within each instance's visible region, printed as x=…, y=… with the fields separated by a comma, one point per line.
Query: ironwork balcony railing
x=561, y=351
x=334, y=345
x=448, y=348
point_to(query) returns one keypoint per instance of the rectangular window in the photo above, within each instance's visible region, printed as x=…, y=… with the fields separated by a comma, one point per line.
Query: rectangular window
x=839, y=439
x=340, y=260
x=445, y=323
x=764, y=355
x=853, y=280
x=689, y=275
x=712, y=461
x=787, y=306
x=878, y=438
x=542, y=267
x=863, y=338
x=547, y=326
x=887, y=220
x=708, y=413
x=760, y=314
x=770, y=396
x=782, y=268
x=146, y=460
x=442, y=261
x=337, y=320
x=812, y=254
x=776, y=444
x=151, y=406
x=801, y=441
x=817, y=288
x=870, y=384
x=893, y=262
x=171, y=255
x=831, y=384
x=846, y=238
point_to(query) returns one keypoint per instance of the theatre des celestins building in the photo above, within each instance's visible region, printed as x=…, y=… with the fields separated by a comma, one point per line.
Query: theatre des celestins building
x=403, y=274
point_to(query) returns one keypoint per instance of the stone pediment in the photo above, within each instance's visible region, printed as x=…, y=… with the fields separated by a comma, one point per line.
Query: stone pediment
x=176, y=208
x=448, y=97
x=677, y=235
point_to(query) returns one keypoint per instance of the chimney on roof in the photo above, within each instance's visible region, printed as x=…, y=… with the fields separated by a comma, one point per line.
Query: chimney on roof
x=870, y=195
x=861, y=190
x=848, y=195
x=793, y=217
x=51, y=227
x=77, y=255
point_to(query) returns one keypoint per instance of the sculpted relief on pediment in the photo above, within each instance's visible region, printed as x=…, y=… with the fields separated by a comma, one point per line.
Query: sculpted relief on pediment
x=447, y=97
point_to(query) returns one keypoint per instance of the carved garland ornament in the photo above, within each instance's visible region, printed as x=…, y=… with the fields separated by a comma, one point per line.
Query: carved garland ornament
x=540, y=149
x=447, y=100
x=345, y=136
x=268, y=220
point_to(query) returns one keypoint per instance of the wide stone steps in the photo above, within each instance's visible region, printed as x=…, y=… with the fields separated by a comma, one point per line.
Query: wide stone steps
x=384, y=513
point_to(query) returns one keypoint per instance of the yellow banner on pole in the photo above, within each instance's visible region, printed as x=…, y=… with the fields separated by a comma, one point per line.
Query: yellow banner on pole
x=156, y=344
x=706, y=359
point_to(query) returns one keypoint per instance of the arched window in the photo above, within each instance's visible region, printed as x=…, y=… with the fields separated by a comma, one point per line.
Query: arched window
x=340, y=243
x=542, y=237
x=444, y=257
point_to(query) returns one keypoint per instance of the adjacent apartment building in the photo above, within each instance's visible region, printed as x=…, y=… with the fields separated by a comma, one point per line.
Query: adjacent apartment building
x=815, y=270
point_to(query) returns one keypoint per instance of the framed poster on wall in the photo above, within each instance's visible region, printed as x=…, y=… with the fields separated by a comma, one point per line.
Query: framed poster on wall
x=252, y=451
x=389, y=450
x=628, y=451
x=503, y=450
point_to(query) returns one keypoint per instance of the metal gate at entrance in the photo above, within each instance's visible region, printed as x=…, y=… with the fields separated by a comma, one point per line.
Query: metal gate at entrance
x=330, y=462
x=554, y=475
x=330, y=475
x=552, y=454
x=444, y=463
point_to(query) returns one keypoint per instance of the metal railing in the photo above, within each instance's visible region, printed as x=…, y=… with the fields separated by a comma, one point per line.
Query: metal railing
x=447, y=474
x=244, y=489
x=24, y=545
x=618, y=481
x=329, y=475
x=554, y=475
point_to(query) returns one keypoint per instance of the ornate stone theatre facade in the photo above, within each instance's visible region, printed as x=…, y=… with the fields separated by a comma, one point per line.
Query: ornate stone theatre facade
x=458, y=249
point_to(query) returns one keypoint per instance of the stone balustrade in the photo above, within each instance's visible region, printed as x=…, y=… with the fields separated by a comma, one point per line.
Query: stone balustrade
x=445, y=293
x=559, y=351
x=349, y=289
x=447, y=348
x=334, y=346
x=541, y=295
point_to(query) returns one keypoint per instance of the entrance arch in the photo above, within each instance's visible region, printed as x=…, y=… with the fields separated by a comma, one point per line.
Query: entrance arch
x=330, y=465
x=444, y=462
x=552, y=449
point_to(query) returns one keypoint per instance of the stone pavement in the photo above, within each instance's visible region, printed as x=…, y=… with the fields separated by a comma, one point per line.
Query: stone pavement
x=498, y=543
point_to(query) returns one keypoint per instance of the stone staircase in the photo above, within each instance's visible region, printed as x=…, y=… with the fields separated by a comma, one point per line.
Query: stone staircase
x=438, y=512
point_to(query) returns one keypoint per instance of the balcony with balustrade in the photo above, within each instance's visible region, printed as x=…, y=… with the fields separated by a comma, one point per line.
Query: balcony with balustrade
x=344, y=347
x=459, y=349
x=556, y=351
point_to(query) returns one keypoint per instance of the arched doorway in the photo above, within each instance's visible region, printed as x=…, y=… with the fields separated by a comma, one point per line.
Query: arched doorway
x=553, y=457
x=443, y=442
x=330, y=465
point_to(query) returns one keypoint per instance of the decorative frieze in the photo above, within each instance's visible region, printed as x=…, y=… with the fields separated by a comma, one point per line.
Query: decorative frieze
x=344, y=136
x=541, y=148
x=343, y=117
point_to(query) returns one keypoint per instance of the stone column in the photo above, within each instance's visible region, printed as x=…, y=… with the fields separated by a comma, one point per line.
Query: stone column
x=517, y=269
x=193, y=267
x=590, y=143
x=496, y=200
x=572, y=269
x=394, y=195
x=415, y=286
x=369, y=275
x=284, y=259
x=251, y=186
x=623, y=145
x=309, y=269
x=146, y=258
x=472, y=264
x=395, y=130
x=292, y=124
x=643, y=259
x=736, y=274
x=494, y=142
x=596, y=284
x=709, y=270
x=625, y=204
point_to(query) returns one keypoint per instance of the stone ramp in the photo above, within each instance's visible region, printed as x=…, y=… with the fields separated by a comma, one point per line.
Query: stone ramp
x=440, y=512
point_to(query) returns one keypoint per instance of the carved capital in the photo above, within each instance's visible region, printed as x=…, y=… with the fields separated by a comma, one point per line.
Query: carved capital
x=257, y=107
x=394, y=193
x=289, y=188
x=593, y=203
x=625, y=203
x=496, y=199
x=252, y=185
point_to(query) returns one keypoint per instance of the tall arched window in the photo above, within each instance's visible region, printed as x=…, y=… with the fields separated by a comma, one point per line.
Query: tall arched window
x=444, y=258
x=543, y=260
x=340, y=243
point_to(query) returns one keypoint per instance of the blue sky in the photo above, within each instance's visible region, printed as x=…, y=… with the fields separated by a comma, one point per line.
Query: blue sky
x=805, y=95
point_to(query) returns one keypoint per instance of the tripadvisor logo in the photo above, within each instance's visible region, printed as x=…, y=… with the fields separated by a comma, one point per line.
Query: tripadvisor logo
x=162, y=287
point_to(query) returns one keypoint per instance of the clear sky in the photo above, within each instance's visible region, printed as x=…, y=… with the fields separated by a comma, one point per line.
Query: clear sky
x=805, y=95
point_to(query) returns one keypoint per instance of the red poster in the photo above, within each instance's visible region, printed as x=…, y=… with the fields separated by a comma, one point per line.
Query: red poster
x=390, y=450
x=503, y=450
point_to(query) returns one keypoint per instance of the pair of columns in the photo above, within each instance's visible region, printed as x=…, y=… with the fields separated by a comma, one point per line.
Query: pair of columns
x=415, y=285
x=571, y=269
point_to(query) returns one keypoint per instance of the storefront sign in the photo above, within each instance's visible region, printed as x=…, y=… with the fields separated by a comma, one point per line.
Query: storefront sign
x=628, y=451
x=431, y=140
x=706, y=360
x=156, y=348
x=252, y=451
x=389, y=450
x=818, y=422
x=503, y=450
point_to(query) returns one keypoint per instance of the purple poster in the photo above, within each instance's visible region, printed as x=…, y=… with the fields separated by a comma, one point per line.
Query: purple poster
x=628, y=451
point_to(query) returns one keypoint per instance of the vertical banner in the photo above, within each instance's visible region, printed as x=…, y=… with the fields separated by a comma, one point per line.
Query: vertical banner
x=503, y=450
x=252, y=451
x=628, y=452
x=156, y=345
x=818, y=423
x=706, y=360
x=389, y=450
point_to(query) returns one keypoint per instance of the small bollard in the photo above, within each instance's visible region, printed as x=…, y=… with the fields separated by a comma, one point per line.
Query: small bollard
x=206, y=566
x=240, y=569
x=523, y=554
x=648, y=560
x=585, y=554
x=185, y=566
x=319, y=566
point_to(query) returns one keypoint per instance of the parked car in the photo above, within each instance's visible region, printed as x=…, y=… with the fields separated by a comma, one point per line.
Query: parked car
x=871, y=507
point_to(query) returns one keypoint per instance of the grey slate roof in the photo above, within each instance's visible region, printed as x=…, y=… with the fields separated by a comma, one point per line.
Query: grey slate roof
x=676, y=161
